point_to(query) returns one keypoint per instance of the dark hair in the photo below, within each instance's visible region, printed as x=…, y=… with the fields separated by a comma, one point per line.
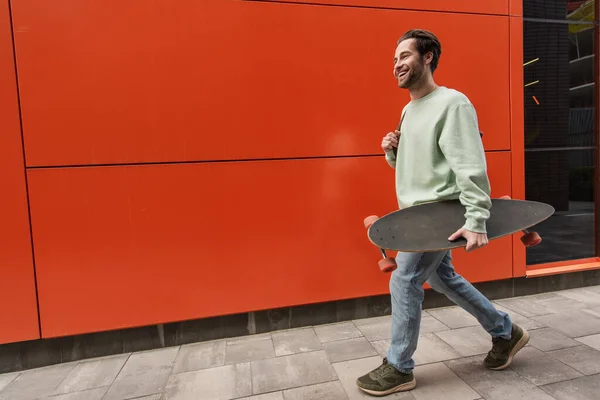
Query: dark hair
x=425, y=42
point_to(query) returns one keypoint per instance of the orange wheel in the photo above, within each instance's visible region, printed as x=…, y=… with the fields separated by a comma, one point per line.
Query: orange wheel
x=387, y=264
x=370, y=220
x=531, y=239
x=505, y=197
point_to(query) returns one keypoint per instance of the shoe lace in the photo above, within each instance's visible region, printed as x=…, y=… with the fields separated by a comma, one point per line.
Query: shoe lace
x=382, y=369
x=498, y=347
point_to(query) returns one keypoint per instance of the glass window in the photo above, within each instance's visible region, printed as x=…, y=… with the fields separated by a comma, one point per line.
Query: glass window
x=559, y=125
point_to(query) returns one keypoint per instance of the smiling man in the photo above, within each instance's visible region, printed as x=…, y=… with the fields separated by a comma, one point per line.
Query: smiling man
x=437, y=154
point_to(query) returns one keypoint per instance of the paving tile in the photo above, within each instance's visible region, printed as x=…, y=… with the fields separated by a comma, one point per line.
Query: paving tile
x=91, y=394
x=541, y=304
x=144, y=374
x=5, y=379
x=266, y=396
x=585, y=388
x=382, y=346
x=338, y=331
x=595, y=289
x=223, y=383
x=322, y=391
x=495, y=385
x=556, y=303
x=93, y=374
x=194, y=357
x=37, y=383
x=344, y=350
x=349, y=371
x=522, y=321
x=593, y=341
x=152, y=397
x=432, y=349
x=453, y=317
x=593, y=311
x=250, y=348
x=547, y=339
x=295, y=341
x=437, y=381
x=288, y=372
x=582, y=358
x=524, y=305
x=573, y=324
x=377, y=328
x=582, y=295
x=430, y=324
x=467, y=341
x=540, y=368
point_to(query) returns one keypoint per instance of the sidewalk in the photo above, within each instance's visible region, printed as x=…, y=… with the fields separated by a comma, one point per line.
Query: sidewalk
x=562, y=361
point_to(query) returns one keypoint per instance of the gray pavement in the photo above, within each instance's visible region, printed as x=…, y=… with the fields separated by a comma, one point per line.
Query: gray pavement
x=562, y=361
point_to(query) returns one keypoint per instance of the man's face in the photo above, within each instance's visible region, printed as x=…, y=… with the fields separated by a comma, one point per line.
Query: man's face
x=409, y=66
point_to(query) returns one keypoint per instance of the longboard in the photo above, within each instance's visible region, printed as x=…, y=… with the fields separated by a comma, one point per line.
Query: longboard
x=426, y=227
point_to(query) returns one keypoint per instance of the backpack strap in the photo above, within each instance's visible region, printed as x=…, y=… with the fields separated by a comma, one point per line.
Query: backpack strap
x=395, y=149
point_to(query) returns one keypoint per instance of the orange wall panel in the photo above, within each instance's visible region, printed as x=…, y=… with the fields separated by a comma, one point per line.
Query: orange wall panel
x=463, y=6
x=516, y=9
x=18, y=310
x=127, y=82
x=134, y=245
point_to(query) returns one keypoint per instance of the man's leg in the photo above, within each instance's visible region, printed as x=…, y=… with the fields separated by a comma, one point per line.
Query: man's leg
x=406, y=289
x=507, y=337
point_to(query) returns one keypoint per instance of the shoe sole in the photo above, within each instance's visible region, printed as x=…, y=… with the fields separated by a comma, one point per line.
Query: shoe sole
x=400, y=388
x=520, y=344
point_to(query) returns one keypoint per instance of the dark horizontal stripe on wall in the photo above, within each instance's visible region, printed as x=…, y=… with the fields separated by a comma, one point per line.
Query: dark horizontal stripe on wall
x=317, y=4
x=39, y=353
x=136, y=164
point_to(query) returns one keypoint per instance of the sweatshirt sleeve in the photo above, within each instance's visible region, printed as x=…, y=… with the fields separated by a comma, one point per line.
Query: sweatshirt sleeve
x=461, y=144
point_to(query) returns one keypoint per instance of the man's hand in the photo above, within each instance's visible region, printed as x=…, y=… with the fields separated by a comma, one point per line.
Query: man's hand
x=474, y=240
x=390, y=141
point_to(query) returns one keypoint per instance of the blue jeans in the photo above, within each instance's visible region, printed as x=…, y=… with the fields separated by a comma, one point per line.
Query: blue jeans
x=407, y=293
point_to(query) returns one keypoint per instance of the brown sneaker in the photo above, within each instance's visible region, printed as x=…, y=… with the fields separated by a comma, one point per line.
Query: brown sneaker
x=503, y=351
x=385, y=380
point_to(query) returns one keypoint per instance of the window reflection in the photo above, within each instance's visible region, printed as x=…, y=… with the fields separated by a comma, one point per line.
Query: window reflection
x=559, y=125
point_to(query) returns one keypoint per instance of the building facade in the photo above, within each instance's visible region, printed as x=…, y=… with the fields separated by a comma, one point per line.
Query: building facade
x=183, y=171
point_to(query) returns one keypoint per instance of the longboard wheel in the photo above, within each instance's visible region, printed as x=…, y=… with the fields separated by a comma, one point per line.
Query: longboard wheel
x=531, y=239
x=505, y=197
x=387, y=264
x=370, y=220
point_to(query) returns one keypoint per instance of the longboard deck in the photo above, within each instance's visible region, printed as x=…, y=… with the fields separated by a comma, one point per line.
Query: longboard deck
x=426, y=227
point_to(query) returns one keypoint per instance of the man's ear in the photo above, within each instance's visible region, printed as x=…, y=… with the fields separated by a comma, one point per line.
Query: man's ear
x=428, y=58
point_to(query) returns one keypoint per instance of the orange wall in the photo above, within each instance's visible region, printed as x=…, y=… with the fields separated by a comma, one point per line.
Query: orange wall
x=18, y=310
x=228, y=80
x=172, y=137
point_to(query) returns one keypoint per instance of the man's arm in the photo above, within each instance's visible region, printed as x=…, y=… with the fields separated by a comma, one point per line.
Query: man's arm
x=461, y=144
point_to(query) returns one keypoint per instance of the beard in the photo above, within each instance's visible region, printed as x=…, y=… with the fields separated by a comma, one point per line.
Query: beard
x=415, y=76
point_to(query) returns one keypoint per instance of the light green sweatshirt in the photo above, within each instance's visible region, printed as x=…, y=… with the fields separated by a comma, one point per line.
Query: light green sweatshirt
x=441, y=157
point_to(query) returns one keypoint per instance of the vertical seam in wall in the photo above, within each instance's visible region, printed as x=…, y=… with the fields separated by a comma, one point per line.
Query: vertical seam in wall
x=510, y=136
x=14, y=48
